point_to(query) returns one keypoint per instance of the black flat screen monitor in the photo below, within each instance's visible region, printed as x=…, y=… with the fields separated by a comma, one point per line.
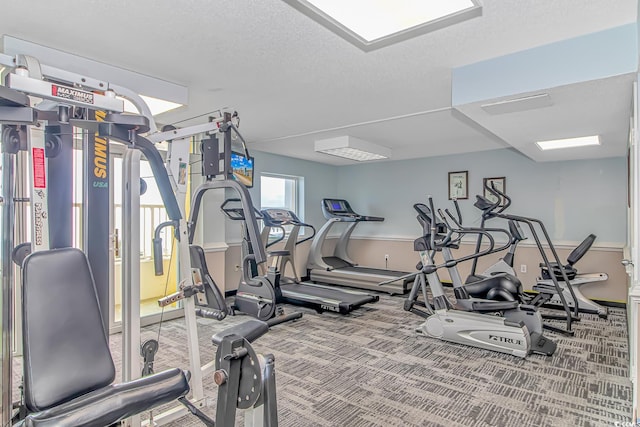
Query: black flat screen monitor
x=242, y=169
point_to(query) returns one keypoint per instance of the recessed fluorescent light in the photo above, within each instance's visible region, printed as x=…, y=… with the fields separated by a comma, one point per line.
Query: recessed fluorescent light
x=352, y=148
x=555, y=144
x=353, y=154
x=157, y=106
x=374, y=24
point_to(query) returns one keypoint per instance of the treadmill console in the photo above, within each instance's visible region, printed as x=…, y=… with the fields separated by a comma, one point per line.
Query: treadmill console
x=340, y=208
x=277, y=217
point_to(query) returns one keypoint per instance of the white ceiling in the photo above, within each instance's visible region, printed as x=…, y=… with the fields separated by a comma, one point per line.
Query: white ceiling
x=293, y=81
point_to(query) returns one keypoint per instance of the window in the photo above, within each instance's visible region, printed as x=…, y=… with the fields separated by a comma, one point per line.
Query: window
x=152, y=210
x=282, y=192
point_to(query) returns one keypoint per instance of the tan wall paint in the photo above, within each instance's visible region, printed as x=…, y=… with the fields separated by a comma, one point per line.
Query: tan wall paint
x=371, y=253
x=232, y=275
x=217, y=266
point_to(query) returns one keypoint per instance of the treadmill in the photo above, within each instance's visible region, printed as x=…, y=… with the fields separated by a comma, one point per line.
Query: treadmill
x=321, y=298
x=340, y=269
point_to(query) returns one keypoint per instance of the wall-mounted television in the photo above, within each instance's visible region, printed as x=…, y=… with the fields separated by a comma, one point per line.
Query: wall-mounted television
x=242, y=169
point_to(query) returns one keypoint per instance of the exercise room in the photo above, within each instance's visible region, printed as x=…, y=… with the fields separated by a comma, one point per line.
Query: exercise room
x=319, y=213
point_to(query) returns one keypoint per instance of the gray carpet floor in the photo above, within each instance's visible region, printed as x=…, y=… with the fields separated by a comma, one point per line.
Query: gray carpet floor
x=370, y=368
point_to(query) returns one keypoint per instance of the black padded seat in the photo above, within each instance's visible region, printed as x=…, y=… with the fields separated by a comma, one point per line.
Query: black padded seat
x=250, y=330
x=115, y=402
x=69, y=371
x=557, y=269
x=573, y=257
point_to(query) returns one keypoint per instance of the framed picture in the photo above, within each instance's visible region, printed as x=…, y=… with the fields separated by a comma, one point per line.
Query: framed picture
x=458, y=187
x=499, y=184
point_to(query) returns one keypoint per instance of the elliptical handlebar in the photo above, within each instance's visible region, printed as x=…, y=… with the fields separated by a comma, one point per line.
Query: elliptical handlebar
x=500, y=195
x=458, y=212
x=448, y=240
x=432, y=226
x=425, y=213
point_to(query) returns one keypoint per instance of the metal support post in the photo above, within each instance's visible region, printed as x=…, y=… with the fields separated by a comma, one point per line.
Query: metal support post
x=178, y=170
x=131, y=271
x=6, y=296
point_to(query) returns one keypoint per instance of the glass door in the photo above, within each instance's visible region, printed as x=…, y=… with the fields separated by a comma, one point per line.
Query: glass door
x=152, y=214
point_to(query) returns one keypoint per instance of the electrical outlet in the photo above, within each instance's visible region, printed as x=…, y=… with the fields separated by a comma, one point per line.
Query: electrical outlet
x=386, y=257
x=523, y=268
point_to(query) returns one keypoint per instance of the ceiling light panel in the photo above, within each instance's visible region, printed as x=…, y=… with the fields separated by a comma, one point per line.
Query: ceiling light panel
x=156, y=106
x=555, y=144
x=353, y=154
x=372, y=20
x=352, y=148
x=371, y=24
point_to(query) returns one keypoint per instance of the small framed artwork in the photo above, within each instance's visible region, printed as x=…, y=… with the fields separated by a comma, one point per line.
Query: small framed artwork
x=458, y=185
x=499, y=184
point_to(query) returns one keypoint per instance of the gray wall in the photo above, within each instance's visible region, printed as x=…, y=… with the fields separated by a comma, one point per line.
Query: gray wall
x=573, y=198
x=320, y=181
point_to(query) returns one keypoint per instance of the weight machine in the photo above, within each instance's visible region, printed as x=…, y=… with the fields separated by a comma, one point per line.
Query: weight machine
x=67, y=100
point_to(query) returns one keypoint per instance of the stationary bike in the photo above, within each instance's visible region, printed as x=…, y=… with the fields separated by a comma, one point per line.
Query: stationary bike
x=493, y=325
x=257, y=295
x=559, y=285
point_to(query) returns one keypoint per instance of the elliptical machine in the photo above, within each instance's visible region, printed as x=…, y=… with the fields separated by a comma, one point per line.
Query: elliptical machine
x=492, y=325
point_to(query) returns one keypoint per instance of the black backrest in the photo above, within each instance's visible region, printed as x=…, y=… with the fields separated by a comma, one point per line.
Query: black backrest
x=516, y=231
x=66, y=351
x=215, y=299
x=582, y=249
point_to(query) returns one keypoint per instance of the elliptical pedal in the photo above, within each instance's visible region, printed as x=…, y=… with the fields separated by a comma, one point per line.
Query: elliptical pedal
x=542, y=345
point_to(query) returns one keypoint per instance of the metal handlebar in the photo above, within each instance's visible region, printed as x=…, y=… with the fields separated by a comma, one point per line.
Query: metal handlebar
x=157, y=246
x=237, y=214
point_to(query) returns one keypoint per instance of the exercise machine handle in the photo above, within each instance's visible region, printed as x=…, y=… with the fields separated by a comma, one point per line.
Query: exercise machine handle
x=447, y=240
x=210, y=313
x=458, y=212
x=157, y=247
x=432, y=226
x=507, y=199
x=278, y=239
x=313, y=233
x=237, y=213
x=493, y=191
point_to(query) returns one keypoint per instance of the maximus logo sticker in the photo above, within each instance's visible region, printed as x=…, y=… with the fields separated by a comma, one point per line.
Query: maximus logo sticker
x=71, y=94
x=100, y=155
